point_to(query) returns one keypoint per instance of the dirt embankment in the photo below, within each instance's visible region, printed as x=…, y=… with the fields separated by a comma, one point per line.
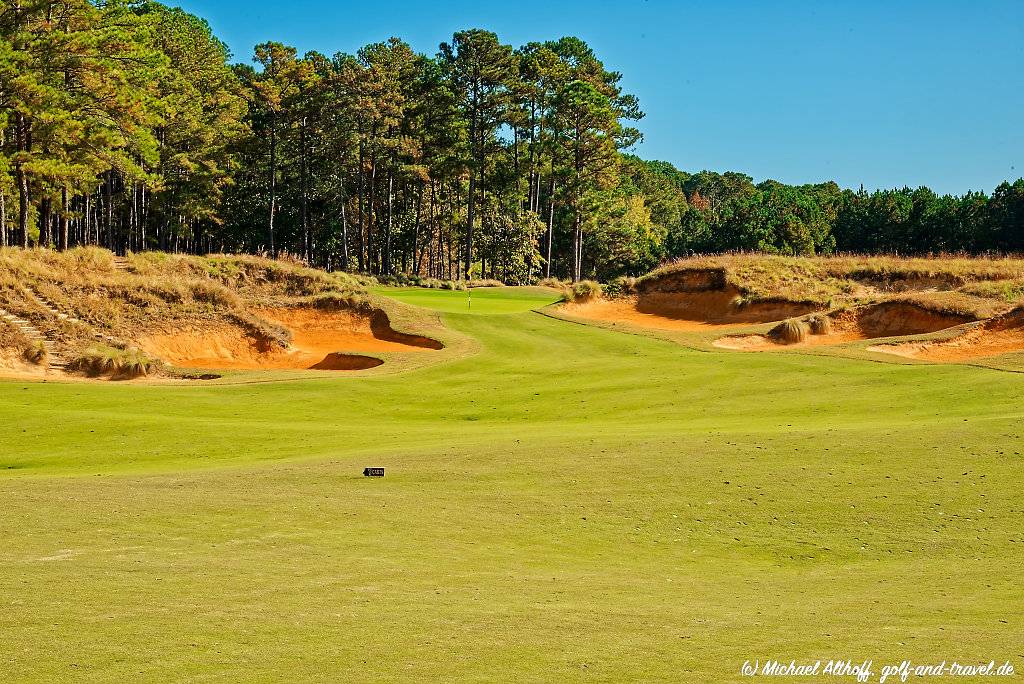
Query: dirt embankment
x=995, y=337
x=321, y=340
x=691, y=301
x=888, y=319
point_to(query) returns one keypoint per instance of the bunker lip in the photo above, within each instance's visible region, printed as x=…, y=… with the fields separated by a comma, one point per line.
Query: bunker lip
x=887, y=319
x=694, y=310
x=997, y=336
x=322, y=339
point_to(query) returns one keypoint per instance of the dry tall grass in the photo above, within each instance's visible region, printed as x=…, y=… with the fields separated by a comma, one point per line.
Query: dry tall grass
x=790, y=331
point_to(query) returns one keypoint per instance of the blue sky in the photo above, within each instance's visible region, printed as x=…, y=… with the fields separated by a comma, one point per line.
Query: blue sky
x=873, y=93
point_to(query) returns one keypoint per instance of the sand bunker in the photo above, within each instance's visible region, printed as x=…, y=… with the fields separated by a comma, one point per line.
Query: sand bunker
x=321, y=340
x=688, y=311
x=1002, y=335
x=14, y=365
x=889, y=319
x=766, y=343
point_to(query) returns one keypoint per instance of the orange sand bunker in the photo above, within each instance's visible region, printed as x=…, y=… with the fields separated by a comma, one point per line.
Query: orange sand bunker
x=687, y=311
x=889, y=319
x=319, y=340
x=1003, y=335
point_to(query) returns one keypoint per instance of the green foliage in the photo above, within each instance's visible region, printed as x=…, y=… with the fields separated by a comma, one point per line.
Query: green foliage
x=622, y=286
x=124, y=124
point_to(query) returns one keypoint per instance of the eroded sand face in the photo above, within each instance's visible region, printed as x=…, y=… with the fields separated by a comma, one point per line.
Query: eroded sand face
x=686, y=311
x=1004, y=335
x=625, y=311
x=320, y=340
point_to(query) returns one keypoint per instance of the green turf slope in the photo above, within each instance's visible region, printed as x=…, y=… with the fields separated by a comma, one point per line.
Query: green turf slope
x=568, y=504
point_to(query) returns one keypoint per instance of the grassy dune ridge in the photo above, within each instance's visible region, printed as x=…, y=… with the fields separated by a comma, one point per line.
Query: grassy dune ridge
x=973, y=286
x=118, y=298
x=564, y=503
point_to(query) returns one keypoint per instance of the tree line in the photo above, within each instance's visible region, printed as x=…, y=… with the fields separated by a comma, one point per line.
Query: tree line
x=126, y=124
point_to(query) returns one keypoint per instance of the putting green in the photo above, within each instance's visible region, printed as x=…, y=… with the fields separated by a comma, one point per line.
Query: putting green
x=568, y=503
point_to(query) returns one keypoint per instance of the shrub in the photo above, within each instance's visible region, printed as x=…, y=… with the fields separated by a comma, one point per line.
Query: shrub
x=621, y=287
x=820, y=325
x=790, y=332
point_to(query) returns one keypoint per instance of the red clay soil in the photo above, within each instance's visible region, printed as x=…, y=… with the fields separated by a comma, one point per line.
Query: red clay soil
x=888, y=319
x=896, y=319
x=320, y=340
x=1002, y=335
x=688, y=311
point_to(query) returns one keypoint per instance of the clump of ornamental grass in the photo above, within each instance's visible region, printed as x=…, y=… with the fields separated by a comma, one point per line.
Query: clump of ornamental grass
x=486, y=282
x=331, y=301
x=120, y=364
x=790, y=331
x=583, y=291
x=555, y=283
x=820, y=325
x=214, y=293
x=36, y=353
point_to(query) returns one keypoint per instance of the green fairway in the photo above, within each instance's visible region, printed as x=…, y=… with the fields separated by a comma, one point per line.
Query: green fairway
x=481, y=300
x=567, y=503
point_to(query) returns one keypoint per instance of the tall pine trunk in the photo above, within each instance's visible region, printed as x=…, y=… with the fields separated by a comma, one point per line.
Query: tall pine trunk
x=306, y=245
x=551, y=224
x=3, y=218
x=273, y=186
x=391, y=218
x=360, y=246
x=65, y=209
x=344, y=229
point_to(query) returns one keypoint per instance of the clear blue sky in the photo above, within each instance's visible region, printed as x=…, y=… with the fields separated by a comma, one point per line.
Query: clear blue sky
x=886, y=94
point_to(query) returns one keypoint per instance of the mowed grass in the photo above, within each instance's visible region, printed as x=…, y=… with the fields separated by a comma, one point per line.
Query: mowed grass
x=481, y=300
x=568, y=504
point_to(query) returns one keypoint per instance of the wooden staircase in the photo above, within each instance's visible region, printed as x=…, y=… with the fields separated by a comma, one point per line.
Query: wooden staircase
x=54, y=360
